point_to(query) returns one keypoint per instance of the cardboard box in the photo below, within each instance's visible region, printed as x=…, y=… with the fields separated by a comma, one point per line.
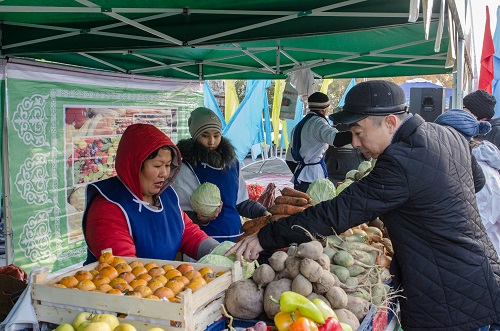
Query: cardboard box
x=10, y=290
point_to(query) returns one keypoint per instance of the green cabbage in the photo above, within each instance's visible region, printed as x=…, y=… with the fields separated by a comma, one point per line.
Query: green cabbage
x=217, y=257
x=365, y=167
x=206, y=199
x=342, y=186
x=321, y=190
x=218, y=260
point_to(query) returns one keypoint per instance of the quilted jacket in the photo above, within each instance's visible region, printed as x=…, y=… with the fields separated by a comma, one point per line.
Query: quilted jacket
x=494, y=135
x=422, y=186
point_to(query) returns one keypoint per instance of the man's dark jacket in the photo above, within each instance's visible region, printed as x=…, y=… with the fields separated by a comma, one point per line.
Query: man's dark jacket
x=422, y=186
x=494, y=135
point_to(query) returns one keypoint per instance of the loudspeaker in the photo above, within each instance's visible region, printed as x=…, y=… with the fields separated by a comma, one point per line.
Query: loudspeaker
x=427, y=102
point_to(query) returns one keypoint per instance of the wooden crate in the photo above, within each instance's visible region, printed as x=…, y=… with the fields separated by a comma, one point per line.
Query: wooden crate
x=195, y=311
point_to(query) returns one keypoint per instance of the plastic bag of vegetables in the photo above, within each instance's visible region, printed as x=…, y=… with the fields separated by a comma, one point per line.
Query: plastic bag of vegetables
x=321, y=189
x=206, y=199
x=217, y=257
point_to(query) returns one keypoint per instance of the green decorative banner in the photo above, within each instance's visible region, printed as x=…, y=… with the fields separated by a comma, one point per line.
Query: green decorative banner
x=63, y=131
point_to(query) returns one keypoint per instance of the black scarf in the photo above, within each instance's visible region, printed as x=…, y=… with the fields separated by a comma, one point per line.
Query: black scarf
x=195, y=153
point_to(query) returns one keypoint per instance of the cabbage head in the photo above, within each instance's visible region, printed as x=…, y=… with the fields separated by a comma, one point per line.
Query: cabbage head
x=206, y=199
x=217, y=257
x=342, y=186
x=320, y=190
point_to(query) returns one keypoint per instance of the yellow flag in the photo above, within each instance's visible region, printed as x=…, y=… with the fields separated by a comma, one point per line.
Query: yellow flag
x=275, y=114
x=231, y=100
x=326, y=83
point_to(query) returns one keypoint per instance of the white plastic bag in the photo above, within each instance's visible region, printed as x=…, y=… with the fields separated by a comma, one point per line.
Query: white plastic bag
x=288, y=102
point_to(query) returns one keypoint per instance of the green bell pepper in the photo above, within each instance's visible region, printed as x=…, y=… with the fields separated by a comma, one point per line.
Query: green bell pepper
x=290, y=301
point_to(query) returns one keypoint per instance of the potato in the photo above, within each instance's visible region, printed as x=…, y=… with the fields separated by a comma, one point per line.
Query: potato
x=274, y=289
x=302, y=285
x=358, y=306
x=310, y=269
x=347, y=317
x=277, y=261
x=292, y=265
x=283, y=274
x=337, y=297
x=244, y=299
x=324, y=283
x=324, y=261
x=312, y=250
x=263, y=275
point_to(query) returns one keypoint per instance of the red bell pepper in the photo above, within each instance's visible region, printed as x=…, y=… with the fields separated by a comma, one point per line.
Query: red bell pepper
x=331, y=324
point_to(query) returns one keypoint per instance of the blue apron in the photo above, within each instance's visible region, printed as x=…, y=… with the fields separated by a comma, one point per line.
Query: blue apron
x=297, y=143
x=226, y=226
x=157, y=234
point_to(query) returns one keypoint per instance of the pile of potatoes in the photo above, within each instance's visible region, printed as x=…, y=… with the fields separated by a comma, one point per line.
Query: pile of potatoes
x=305, y=269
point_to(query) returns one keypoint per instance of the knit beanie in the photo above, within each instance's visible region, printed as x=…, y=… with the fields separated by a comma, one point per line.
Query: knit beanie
x=201, y=120
x=464, y=122
x=318, y=101
x=481, y=104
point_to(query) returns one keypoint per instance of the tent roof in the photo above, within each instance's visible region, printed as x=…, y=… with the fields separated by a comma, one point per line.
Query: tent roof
x=213, y=39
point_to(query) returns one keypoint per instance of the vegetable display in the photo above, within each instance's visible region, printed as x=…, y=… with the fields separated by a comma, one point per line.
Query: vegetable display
x=320, y=190
x=206, y=199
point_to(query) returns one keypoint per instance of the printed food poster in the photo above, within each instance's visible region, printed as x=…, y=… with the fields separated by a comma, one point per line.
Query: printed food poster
x=92, y=137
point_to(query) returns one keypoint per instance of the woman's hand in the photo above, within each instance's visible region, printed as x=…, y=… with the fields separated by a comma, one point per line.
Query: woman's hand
x=249, y=248
x=206, y=219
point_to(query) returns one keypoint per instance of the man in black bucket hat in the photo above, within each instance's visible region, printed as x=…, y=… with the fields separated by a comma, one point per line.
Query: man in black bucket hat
x=423, y=188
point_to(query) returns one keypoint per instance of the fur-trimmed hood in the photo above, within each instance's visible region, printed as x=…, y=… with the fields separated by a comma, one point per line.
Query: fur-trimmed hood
x=195, y=153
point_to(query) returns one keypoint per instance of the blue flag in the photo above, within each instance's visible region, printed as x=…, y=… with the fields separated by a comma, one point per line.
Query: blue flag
x=245, y=126
x=210, y=103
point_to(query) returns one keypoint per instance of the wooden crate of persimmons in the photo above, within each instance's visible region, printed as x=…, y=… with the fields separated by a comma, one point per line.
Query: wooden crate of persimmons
x=146, y=293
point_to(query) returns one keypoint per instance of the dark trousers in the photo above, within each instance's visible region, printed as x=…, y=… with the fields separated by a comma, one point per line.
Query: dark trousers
x=303, y=186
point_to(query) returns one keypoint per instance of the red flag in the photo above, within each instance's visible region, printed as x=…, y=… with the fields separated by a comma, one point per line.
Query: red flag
x=486, y=72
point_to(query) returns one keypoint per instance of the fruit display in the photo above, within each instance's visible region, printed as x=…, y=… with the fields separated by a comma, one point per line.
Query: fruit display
x=113, y=275
x=88, y=321
x=146, y=293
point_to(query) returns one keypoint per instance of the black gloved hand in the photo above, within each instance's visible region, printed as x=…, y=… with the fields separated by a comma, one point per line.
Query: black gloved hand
x=342, y=138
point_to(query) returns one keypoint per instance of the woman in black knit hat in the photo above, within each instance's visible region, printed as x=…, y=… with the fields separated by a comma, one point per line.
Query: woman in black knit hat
x=481, y=104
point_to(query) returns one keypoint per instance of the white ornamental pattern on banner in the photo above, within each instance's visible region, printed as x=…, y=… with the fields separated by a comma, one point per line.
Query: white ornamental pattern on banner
x=32, y=180
x=35, y=239
x=30, y=120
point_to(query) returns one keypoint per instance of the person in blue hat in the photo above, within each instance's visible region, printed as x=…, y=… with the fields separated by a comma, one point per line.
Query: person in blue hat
x=488, y=157
x=422, y=187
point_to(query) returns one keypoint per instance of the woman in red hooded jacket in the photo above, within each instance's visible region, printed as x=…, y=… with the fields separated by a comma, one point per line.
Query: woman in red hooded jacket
x=137, y=212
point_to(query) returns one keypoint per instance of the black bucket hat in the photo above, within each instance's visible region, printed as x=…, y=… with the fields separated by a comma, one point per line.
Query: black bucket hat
x=371, y=98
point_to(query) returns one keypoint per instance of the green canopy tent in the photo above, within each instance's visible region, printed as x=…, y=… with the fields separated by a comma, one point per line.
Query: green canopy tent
x=229, y=40
x=239, y=39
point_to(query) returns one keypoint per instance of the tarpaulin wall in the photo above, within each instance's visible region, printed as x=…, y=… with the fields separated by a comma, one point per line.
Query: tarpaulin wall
x=63, y=128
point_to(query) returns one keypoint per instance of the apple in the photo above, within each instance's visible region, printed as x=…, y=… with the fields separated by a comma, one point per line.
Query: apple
x=155, y=329
x=97, y=326
x=65, y=327
x=110, y=319
x=125, y=327
x=82, y=325
x=81, y=317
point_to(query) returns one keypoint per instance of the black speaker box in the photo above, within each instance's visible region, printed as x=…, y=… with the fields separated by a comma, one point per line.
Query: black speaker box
x=427, y=102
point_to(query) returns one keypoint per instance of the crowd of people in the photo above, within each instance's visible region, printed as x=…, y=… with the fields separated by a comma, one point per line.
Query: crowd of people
x=433, y=186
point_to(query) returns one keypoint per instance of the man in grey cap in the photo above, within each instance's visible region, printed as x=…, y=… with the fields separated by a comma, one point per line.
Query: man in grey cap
x=422, y=186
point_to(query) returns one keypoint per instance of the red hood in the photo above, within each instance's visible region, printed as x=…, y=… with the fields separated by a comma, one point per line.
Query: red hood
x=136, y=144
